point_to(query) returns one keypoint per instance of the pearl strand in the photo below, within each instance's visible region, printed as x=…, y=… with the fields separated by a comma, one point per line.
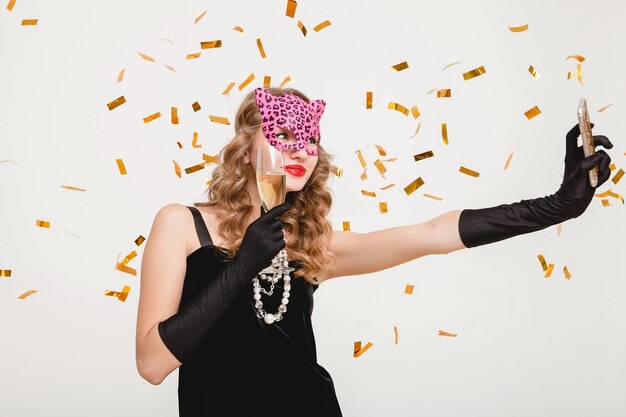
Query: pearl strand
x=270, y=318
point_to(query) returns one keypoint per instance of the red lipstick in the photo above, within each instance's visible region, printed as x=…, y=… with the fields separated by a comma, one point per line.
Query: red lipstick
x=297, y=170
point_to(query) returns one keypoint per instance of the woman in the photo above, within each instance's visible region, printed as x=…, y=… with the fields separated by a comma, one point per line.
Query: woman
x=199, y=309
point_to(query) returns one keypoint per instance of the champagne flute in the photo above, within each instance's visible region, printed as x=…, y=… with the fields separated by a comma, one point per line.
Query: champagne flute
x=272, y=184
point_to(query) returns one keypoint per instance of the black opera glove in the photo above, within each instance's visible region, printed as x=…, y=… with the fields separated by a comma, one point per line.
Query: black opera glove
x=183, y=332
x=482, y=226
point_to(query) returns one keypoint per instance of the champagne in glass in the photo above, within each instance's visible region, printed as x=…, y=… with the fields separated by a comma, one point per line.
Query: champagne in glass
x=271, y=185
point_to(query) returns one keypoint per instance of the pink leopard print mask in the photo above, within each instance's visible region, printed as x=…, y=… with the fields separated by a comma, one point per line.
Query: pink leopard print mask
x=292, y=113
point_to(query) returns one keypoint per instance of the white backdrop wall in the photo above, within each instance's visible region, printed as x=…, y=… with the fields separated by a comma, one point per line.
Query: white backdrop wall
x=526, y=345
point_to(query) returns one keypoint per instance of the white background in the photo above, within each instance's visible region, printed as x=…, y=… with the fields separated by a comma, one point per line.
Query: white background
x=526, y=345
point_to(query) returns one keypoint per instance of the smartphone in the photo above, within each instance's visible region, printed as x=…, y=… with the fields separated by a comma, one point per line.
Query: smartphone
x=585, y=132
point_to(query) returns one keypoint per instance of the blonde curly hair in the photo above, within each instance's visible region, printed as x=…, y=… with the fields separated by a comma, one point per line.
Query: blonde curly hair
x=306, y=221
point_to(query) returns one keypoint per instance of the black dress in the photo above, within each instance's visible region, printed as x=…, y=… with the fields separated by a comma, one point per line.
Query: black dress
x=246, y=367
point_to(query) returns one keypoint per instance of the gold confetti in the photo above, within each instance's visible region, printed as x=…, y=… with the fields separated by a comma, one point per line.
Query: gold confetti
x=194, y=168
x=415, y=112
x=42, y=223
x=445, y=92
x=559, y=229
x=180, y=145
x=549, y=271
x=382, y=206
x=194, y=141
x=199, y=17
x=532, y=112
x=395, y=331
x=125, y=268
x=219, y=119
x=362, y=350
x=174, y=116
x=121, y=296
x=468, y=171
x=259, y=45
x=10, y=5
x=381, y=167
x=544, y=264
x=444, y=133
x=139, y=240
x=169, y=67
x=246, y=81
x=579, y=73
x=211, y=44
x=357, y=347
x=196, y=106
x=442, y=333
x=227, y=90
x=609, y=193
x=398, y=107
x=508, y=161
x=121, y=75
x=177, y=168
x=401, y=66
x=408, y=289
x=368, y=99
x=69, y=187
x=291, y=8
x=517, y=29
x=146, y=57
x=569, y=75
x=337, y=171
x=474, y=73
x=285, y=81
x=604, y=108
x=579, y=58
x=368, y=193
x=302, y=28
x=117, y=102
x=322, y=25
x=210, y=159
x=121, y=167
x=266, y=81
x=381, y=151
x=567, y=273
x=152, y=117
x=449, y=65
x=417, y=183
x=29, y=22
x=605, y=202
x=433, y=197
x=194, y=56
x=26, y=294
x=128, y=258
x=612, y=167
x=5, y=273
x=238, y=29
x=361, y=160
x=423, y=155
x=431, y=91
x=388, y=186
x=346, y=228
x=419, y=125
x=364, y=175
x=533, y=72
x=618, y=176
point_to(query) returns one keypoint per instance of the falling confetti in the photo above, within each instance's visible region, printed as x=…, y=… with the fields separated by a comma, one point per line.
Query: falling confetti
x=395, y=331
x=174, y=116
x=69, y=187
x=238, y=29
x=291, y=8
x=346, y=228
x=194, y=56
x=567, y=273
x=196, y=106
x=117, y=102
x=322, y=25
x=285, y=81
x=30, y=22
x=415, y=112
x=401, y=66
x=10, y=5
x=618, y=176
x=408, y=289
x=177, y=169
x=517, y=29
x=199, y=17
x=219, y=119
x=26, y=294
x=579, y=58
x=444, y=92
x=468, y=171
x=362, y=350
x=146, y=57
x=423, y=155
x=42, y=223
x=121, y=296
x=398, y=107
x=246, y=81
x=417, y=130
x=433, y=197
x=302, y=28
x=508, y=161
x=533, y=72
x=442, y=333
x=211, y=44
x=368, y=99
x=5, y=273
x=150, y=118
x=474, y=73
x=121, y=75
x=368, y=193
x=532, y=112
x=604, y=108
x=227, y=90
x=259, y=45
x=121, y=167
x=417, y=183
x=449, y=65
x=444, y=133
x=382, y=206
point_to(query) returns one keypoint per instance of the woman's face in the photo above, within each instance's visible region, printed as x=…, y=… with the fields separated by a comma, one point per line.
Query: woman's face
x=298, y=164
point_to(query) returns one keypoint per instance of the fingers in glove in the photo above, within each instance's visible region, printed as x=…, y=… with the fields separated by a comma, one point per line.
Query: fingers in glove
x=571, y=140
x=603, y=176
x=276, y=212
x=600, y=158
x=602, y=141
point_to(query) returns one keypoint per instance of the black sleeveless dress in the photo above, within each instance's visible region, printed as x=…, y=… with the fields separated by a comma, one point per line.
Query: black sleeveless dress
x=246, y=367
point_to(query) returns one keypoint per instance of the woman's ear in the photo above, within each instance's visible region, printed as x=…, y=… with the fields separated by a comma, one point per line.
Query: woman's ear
x=246, y=157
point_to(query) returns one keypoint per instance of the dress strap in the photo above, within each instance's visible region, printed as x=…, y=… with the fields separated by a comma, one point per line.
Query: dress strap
x=201, y=229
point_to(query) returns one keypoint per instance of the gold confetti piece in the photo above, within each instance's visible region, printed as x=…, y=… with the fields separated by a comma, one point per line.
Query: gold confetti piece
x=415, y=112
x=177, y=168
x=364, y=175
x=431, y=91
x=559, y=229
x=423, y=155
x=42, y=223
x=398, y=107
x=609, y=193
x=361, y=160
x=337, y=171
x=125, y=268
x=417, y=183
x=121, y=296
x=121, y=167
x=152, y=117
x=606, y=203
x=302, y=28
x=433, y=197
x=395, y=331
x=26, y=294
x=346, y=228
x=238, y=29
x=517, y=29
x=194, y=168
x=29, y=22
x=194, y=141
x=533, y=72
x=544, y=264
x=10, y=5
x=259, y=45
x=401, y=66
x=219, y=119
x=442, y=333
x=357, y=347
x=445, y=92
x=117, y=102
x=532, y=112
x=266, y=81
x=449, y=65
x=382, y=206
x=121, y=75
x=408, y=289
x=618, y=176
x=194, y=56
x=196, y=106
x=604, y=108
x=381, y=167
x=227, y=90
x=146, y=57
x=579, y=58
x=579, y=73
x=567, y=273
x=474, y=73
x=174, y=116
x=322, y=25
x=508, y=161
x=291, y=8
x=419, y=125
x=211, y=44
x=139, y=240
x=5, y=273
x=362, y=350
x=468, y=171
x=69, y=187
x=210, y=159
x=381, y=151
x=368, y=99
x=128, y=258
x=368, y=193
x=199, y=17
x=549, y=271
x=285, y=81
x=569, y=75
x=169, y=67
x=246, y=81
x=444, y=133
x=388, y=186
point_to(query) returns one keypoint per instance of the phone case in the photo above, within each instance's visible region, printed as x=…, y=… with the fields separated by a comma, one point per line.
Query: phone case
x=587, y=138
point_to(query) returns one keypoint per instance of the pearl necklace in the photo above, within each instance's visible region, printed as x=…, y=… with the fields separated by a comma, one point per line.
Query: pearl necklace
x=273, y=278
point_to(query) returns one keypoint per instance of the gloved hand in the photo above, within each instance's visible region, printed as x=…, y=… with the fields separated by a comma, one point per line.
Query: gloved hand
x=183, y=332
x=482, y=226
